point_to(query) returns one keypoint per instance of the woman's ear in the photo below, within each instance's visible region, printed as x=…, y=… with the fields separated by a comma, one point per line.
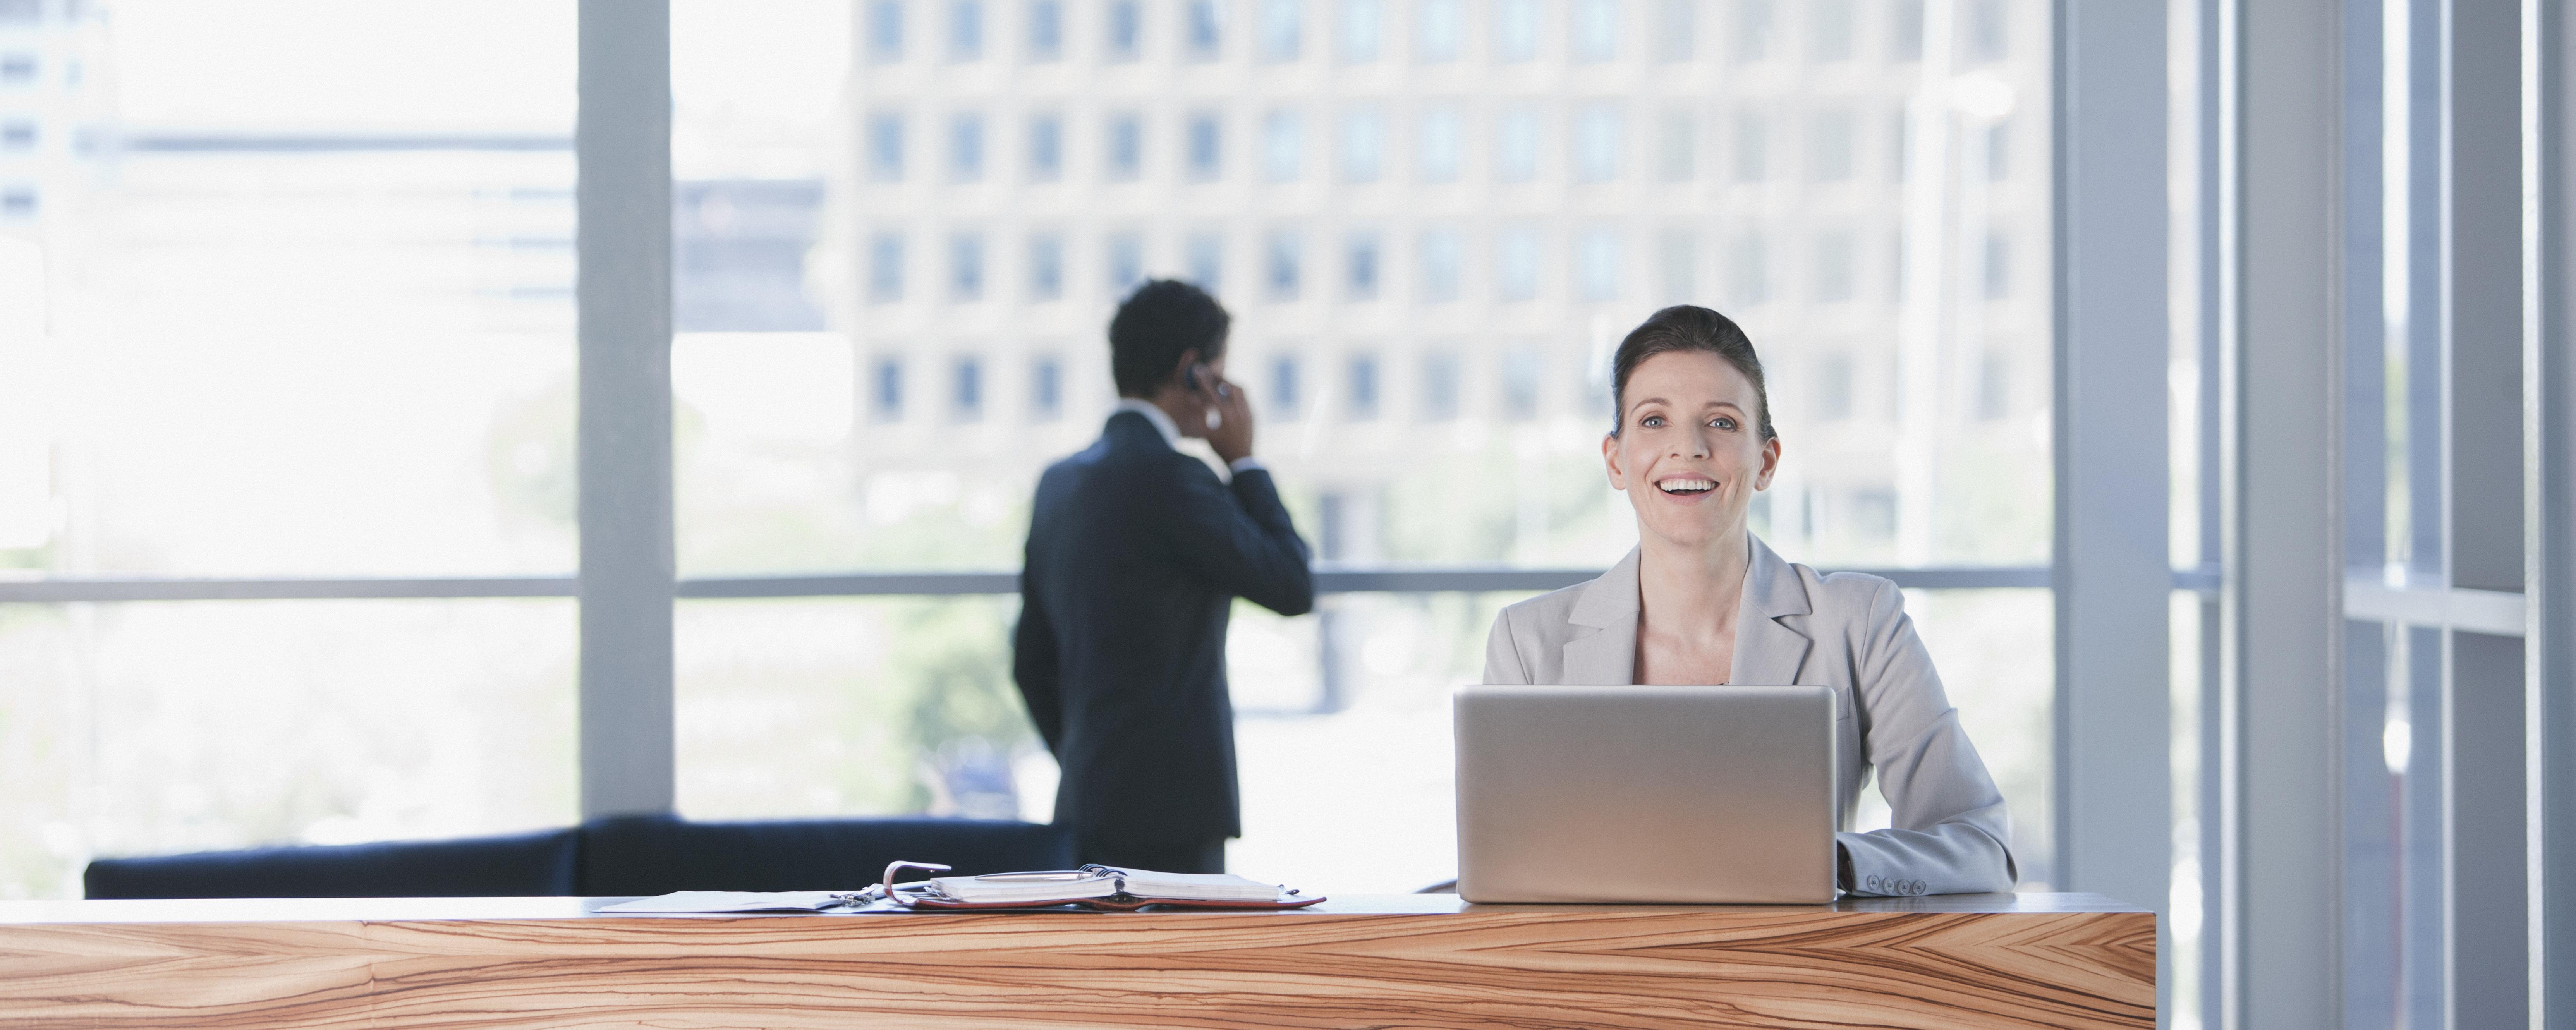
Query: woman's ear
x=1770, y=463
x=1610, y=458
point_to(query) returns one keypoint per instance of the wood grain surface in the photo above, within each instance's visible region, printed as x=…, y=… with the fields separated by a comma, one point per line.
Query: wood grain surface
x=1405, y=961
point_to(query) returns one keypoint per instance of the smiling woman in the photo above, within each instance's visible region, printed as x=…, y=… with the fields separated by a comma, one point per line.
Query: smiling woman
x=1702, y=601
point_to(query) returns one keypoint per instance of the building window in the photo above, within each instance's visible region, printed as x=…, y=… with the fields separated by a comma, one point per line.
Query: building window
x=1752, y=147
x=885, y=268
x=1988, y=34
x=1596, y=30
x=17, y=69
x=1204, y=143
x=1833, y=146
x=1679, y=251
x=966, y=30
x=966, y=267
x=1284, y=394
x=1679, y=25
x=1435, y=31
x=1753, y=27
x=1515, y=30
x=1203, y=34
x=1046, y=388
x=1281, y=29
x=1832, y=29
x=966, y=147
x=1282, y=139
x=1520, y=385
x=1834, y=274
x=1124, y=147
x=1439, y=252
x=1363, y=143
x=1439, y=386
x=1873, y=514
x=886, y=389
x=1442, y=136
x=1678, y=159
x=885, y=30
x=1516, y=144
x=1126, y=30
x=1046, y=267
x=1998, y=270
x=1750, y=276
x=1596, y=143
x=1998, y=152
x=1834, y=388
x=1994, y=386
x=1516, y=263
x=1126, y=262
x=1362, y=23
x=1046, y=148
x=885, y=147
x=1283, y=255
x=17, y=136
x=967, y=400
x=1046, y=30
x=1596, y=265
x=1204, y=256
x=1361, y=373
x=1909, y=30
x=1361, y=267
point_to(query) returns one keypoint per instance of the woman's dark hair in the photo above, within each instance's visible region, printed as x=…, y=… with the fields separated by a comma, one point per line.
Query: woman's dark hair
x=1688, y=327
x=1155, y=325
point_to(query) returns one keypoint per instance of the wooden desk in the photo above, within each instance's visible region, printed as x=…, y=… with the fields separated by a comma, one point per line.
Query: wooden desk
x=1995, y=960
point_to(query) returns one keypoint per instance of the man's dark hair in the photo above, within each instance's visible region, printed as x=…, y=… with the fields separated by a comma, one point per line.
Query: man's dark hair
x=1688, y=327
x=1163, y=318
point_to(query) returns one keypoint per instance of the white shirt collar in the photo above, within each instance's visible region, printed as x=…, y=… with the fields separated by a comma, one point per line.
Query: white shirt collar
x=1162, y=422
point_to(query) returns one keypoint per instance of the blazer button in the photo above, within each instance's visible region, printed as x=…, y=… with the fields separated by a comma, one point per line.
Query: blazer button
x=1919, y=886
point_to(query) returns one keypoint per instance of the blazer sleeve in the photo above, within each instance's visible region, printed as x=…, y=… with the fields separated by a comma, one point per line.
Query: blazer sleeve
x=1503, y=663
x=1035, y=667
x=1238, y=536
x=1949, y=827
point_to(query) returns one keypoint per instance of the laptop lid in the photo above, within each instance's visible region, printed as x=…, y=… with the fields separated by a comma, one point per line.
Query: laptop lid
x=1645, y=794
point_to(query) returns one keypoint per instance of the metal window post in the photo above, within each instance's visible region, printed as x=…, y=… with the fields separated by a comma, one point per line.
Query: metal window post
x=2548, y=230
x=2112, y=570
x=623, y=147
x=2282, y=598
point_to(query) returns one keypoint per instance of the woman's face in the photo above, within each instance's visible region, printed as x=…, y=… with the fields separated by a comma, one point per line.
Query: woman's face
x=1690, y=452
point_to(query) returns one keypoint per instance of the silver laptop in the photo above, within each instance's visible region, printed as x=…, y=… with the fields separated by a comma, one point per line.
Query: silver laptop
x=1645, y=794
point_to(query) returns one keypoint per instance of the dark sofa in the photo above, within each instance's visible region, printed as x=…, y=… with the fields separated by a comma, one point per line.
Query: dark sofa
x=620, y=856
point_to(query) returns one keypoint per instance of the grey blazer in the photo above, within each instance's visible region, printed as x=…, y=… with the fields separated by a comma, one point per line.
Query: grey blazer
x=1846, y=631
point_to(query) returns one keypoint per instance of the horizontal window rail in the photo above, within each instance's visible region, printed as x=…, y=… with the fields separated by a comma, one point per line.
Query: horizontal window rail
x=1329, y=579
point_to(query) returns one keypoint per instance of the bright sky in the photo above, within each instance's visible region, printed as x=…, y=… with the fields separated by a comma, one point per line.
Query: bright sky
x=493, y=65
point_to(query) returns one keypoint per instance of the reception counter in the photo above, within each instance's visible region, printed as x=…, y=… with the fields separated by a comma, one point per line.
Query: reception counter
x=1992, y=960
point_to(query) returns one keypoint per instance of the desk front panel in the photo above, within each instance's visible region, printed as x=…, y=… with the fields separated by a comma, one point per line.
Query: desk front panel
x=1414, y=961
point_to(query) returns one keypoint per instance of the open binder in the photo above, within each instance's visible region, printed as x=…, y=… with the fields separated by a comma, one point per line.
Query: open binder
x=1092, y=888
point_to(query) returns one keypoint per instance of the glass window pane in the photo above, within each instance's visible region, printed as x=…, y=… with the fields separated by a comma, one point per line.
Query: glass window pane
x=284, y=330
x=1420, y=274
x=157, y=728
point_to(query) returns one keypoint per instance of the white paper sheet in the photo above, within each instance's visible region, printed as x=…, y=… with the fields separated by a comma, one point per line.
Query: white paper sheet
x=730, y=901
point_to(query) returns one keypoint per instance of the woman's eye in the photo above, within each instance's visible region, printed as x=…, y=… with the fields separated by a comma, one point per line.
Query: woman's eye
x=1721, y=422
x=1652, y=422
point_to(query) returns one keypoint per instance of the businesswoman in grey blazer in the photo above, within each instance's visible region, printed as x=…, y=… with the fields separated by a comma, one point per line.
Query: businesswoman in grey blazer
x=1702, y=601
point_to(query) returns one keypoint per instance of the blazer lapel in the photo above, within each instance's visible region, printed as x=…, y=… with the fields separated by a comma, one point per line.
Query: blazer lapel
x=1768, y=653
x=1603, y=651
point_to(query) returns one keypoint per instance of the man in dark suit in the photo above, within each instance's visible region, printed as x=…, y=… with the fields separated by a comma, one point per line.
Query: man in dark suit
x=1136, y=553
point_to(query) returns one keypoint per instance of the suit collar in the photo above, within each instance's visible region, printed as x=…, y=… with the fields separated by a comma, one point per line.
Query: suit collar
x=1607, y=654
x=1768, y=652
x=1153, y=416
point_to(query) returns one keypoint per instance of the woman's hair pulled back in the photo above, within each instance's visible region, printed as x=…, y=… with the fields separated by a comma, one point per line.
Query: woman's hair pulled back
x=1688, y=328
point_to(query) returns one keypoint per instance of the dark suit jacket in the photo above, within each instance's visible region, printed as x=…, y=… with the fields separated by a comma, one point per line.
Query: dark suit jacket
x=1136, y=554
